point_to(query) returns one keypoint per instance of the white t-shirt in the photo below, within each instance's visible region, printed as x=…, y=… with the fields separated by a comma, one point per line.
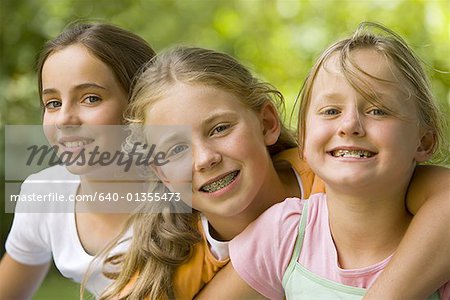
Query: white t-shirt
x=41, y=230
x=218, y=248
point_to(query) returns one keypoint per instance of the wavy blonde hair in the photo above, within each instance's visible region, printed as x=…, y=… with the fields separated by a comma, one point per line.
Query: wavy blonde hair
x=374, y=36
x=162, y=241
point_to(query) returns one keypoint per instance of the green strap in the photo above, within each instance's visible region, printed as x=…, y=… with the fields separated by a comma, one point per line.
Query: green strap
x=298, y=244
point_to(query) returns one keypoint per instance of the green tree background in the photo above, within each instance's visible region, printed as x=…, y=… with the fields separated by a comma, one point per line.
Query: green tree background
x=277, y=39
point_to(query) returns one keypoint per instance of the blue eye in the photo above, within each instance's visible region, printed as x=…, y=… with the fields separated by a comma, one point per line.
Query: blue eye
x=53, y=104
x=177, y=149
x=377, y=112
x=220, y=128
x=91, y=99
x=331, y=111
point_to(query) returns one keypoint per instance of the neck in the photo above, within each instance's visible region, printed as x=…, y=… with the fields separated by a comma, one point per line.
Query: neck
x=281, y=184
x=366, y=229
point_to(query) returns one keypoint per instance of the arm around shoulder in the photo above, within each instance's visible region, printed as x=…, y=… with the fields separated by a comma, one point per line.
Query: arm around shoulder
x=20, y=281
x=422, y=256
x=429, y=183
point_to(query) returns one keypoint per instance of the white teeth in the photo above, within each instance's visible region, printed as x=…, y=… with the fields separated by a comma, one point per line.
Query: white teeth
x=221, y=183
x=75, y=144
x=352, y=153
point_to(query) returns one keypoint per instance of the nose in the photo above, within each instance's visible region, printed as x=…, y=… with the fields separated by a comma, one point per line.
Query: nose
x=205, y=156
x=351, y=124
x=68, y=116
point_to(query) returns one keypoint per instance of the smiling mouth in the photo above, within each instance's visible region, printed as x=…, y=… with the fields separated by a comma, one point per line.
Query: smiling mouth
x=76, y=144
x=220, y=184
x=352, y=153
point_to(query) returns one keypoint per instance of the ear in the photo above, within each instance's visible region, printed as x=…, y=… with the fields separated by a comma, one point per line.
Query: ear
x=271, y=124
x=425, y=147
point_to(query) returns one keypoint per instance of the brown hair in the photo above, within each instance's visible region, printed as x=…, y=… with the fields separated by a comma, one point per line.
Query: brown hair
x=122, y=51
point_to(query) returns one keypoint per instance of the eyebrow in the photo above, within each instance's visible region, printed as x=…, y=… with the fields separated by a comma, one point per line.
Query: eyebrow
x=173, y=137
x=217, y=115
x=331, y=95
x=328, y=97
x=78, y=87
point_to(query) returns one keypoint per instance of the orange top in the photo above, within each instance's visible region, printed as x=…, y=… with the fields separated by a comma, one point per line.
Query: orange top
x=311, y=184
x=193, y=275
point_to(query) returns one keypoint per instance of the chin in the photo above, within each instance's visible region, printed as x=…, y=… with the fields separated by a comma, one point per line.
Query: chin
x=78, y=170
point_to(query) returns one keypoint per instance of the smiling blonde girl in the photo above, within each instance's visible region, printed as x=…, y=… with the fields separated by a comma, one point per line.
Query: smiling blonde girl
x=367, y=118
x=236, y=139
x=236, y=132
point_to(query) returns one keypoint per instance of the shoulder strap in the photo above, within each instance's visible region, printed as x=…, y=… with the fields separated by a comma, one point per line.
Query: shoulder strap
x=298, y=243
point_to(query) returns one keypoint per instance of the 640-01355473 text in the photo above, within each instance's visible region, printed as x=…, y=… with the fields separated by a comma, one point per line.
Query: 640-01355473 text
x=102, y=197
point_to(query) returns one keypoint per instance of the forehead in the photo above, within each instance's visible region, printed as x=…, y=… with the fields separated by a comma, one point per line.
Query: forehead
x=370, y=75
x=367, y=63
x=190, y=103
x=367, y=72
x=76, y=63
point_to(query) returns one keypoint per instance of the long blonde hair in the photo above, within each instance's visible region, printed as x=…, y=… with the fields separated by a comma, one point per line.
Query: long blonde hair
x=163, y=241
x=400, y=55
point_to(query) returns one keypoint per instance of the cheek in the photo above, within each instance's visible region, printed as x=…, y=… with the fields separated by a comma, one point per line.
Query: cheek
x=248, y=144
x=177, y=176
x=111, y=117
x=313, y=131
x=317, y=136
x=111, y=114
x=308, y=149
x=109, y=138
x=48, y=119
x=179, y=170
x=392, y=134
x=50, y=133
x=410, y=135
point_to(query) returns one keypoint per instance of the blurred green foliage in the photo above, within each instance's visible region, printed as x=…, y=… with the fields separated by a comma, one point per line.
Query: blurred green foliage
x=56, y=286
x=277, y=39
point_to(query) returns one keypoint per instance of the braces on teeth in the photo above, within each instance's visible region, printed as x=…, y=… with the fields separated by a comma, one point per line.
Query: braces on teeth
x=221, y=183
x=352, y=153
